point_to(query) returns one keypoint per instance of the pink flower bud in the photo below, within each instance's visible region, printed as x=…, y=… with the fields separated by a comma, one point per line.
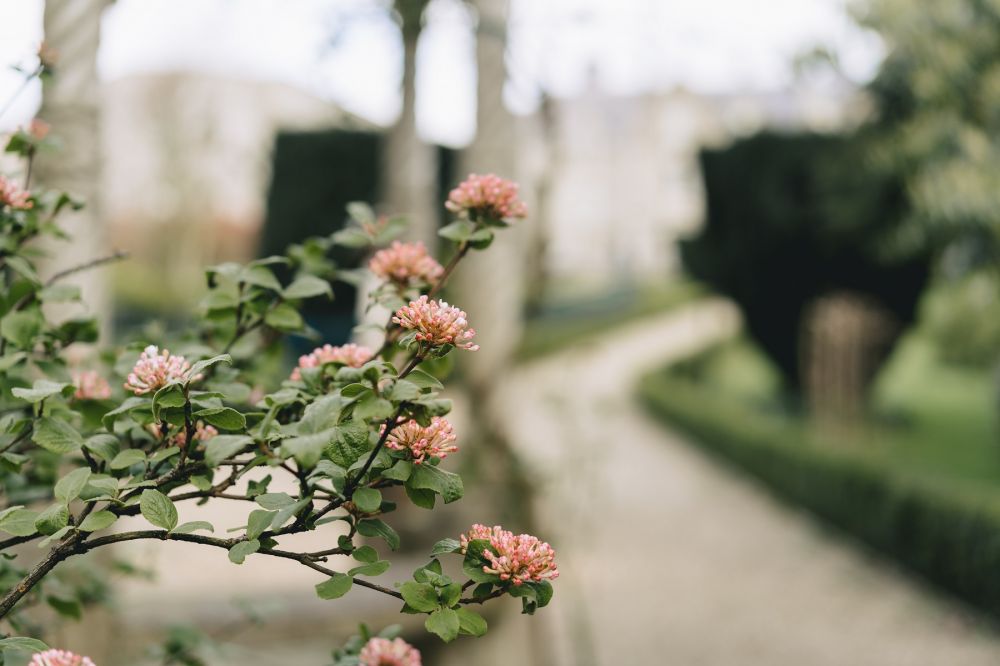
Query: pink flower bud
x=13, y=196
x=155, y=369
x=405, y=263
x=434, y=441
x=59, y=658
x=518, y=558
x=489, y=196
x=90, y=385
x=383, y=652
x=351, y=355
x=436, y=323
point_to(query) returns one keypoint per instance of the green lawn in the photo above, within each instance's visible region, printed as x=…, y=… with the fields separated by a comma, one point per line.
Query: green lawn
x=930, y=420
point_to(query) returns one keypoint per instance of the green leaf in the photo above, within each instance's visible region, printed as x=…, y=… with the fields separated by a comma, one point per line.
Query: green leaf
x=429, y=477
x=52, y=519
x=425, y=499
x=171, y=395
x=446, y=546
x=98, y=520
x=458, y=230
x=68, y=488
x=42, y=389
x=365, y=554
x=56, y=436
x=368, y=500
x=404, y=390
x=350, y=443
x=284, y=318
x=238, y=553
x=372, y=527
x=59, y=293
x=163, y=454
x=351, y=237
x=205, y=364
x=424, y=380
x=400, y=471
x=260, y=276
x=55, y=536
x=371, y=408
x=274, y=500
x=421, y=597
x=134, y=402
x=308, y=286
x=221, y=447
x=21, y=327
x=8, y=361
x=158, y=509
x=470, y=622
x=444, y=623
x=258, y=521
x=18, y=522
x=308, y=449
x=450, y=594
x=193, y=526
x=127, y=458
x=223, y=417
x=103, y=445
x=282, y=516
x=370, y=569
x=22, y=644
x=337, y=586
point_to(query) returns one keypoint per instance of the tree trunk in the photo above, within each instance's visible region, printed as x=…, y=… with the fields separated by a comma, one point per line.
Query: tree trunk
x=71, y=104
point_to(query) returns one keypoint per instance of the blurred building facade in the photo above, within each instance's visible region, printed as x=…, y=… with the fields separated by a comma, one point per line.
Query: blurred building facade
x=614, y=180
x=624, y=178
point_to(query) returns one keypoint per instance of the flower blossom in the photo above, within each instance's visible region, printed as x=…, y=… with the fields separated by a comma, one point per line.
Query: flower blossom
x=59, y=658
x=518, y=558
x=155, y=369
x=202, y=433
x=436, y=323
x=383, y=652
x=490, y=196
x=404, y=263
x=90, y=385
x=433, y=441
x=38, y=129
x=351, y=355
x=13, y=196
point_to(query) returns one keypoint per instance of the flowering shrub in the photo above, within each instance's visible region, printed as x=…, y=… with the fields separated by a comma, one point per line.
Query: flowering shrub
x=153, y=427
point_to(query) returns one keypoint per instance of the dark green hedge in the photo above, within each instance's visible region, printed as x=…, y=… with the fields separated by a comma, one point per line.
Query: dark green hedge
x=948, y=534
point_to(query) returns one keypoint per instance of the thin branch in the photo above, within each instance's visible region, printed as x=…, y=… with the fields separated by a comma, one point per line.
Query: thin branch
x=118, y=255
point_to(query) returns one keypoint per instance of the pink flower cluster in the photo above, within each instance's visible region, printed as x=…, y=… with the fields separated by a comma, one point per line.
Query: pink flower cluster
x=489, y=195
x=518, y=558
x=59, y=658
x=202, y=433
x=433, y=441
x=383, y=652
x=351, y=355
x=405, y=263
x=38, y=129
x=155, y=369
x=13, y=196
x=90, y=385
x=436, y=323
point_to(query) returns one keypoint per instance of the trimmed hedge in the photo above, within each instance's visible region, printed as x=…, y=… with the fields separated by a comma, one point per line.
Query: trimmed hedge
x=949, y=534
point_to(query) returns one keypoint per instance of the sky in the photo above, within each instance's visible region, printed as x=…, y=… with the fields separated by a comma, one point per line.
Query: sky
x=349, y=51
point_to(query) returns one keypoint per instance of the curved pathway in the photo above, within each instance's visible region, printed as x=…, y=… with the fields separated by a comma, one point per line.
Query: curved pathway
x=669, y=558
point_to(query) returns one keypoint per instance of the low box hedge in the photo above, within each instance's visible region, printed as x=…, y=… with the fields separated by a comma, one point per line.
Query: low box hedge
x=947, y=532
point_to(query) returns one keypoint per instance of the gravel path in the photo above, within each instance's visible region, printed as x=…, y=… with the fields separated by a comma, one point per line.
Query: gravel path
x=670, y=559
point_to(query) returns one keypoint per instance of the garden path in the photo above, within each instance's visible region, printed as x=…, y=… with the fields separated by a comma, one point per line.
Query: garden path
x=669, y=558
